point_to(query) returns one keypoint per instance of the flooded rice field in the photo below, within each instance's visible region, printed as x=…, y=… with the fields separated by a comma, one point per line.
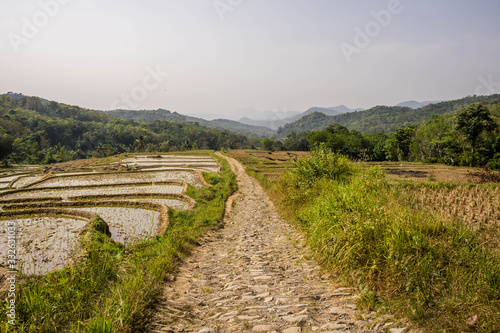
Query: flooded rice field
x=165, y=162
x=199, y=168
x=43, y=243
x=25, y=180
x=10, y=178
x=46, y=240
x=127, y=224
x=67, y=193
x=186, y=176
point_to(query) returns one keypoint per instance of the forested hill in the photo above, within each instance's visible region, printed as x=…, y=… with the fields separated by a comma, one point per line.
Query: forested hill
x=382, y=118
x=35, y=131
x=222, y=124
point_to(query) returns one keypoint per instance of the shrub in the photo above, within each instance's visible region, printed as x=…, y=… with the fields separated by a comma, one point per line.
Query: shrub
x=322, y=163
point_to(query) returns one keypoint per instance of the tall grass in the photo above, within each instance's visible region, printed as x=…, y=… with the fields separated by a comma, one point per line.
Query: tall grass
x=115, y=287
x=422, y=266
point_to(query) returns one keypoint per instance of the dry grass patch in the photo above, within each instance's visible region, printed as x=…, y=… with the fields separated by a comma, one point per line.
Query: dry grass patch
x=424, y=172
x=477, y=207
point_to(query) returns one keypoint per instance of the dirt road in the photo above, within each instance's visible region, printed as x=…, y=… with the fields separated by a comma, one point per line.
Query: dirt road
x=254, y=275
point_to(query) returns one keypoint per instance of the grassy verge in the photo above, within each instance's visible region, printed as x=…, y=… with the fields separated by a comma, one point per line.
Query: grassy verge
x=433, y=269
x=114, y=288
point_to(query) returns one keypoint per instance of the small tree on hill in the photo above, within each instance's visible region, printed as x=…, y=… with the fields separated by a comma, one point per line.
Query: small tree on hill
x=473, y=120
x=268, y=144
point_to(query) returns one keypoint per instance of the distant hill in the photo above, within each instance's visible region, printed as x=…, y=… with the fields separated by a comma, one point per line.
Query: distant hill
x=14, y=95
x=274, y=122
x=161, y=114
x=35, y=131
x=416, y=105
x=271, y=123
x=382, y=118
x=326, y=111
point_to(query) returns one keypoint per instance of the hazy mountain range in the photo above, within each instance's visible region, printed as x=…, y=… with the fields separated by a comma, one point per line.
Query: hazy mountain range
x=256, y=123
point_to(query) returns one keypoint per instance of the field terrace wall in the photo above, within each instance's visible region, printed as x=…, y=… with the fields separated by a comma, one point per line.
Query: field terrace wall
x=26, y=180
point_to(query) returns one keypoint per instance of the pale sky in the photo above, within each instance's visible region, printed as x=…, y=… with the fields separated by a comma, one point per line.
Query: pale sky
x=227, y=55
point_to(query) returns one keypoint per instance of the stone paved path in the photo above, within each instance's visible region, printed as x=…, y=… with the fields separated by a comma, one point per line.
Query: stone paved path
x=253, y=275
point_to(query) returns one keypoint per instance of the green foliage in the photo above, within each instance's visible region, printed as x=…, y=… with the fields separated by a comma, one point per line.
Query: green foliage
x=165, y=115
x=467, y=138
x=339, y=139
x=385, y=119
x=267, y=144
x=322, y=163
x=34, y=131
x=403, y=138
x=473, y=120
x=437, y=272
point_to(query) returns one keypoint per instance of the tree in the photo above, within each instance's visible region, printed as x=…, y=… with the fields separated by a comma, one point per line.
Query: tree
x=404, y=137
x=139, y=144
x=268, y=144
x=473, y=120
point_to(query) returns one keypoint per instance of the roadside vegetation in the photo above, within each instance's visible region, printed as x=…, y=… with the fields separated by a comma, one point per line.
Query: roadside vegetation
x=113, y=287
x=425, y=250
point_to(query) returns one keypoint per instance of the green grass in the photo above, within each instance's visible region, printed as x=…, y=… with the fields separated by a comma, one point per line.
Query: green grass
x=115, y=287
x=431, y=270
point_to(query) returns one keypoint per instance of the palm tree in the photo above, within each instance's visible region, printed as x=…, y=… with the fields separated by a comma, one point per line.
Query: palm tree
x=140, y=144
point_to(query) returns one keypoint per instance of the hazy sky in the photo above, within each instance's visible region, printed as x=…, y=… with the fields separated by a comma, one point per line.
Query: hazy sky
x=206, y=56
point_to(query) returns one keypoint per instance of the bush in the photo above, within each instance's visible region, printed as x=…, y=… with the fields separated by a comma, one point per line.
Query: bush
x=322, y=163
x=494, y=163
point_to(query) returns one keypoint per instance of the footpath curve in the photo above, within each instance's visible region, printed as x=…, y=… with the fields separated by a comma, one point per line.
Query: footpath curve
x=254, y=275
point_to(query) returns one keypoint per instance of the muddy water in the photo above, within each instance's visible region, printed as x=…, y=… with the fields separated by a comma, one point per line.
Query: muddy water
x=187, y=176
x=105, y=190
x=23, y=181
x=127, y=224
x=43, y=244
x=157, y=167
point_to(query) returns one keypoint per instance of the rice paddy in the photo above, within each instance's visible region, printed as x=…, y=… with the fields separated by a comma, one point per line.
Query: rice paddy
x=166, y=162
x=127, y=225
x=65, y=193
x=25, y=180
x=92, y=179
x=44, y=243
x=132, y=197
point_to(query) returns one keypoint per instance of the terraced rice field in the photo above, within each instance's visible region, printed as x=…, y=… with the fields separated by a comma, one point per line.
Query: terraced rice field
x=166, y=162
x=127, y=224
x=45, y=243
x=91, y=179
x=132, y=199
x=25, y=180
x=66, y=193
